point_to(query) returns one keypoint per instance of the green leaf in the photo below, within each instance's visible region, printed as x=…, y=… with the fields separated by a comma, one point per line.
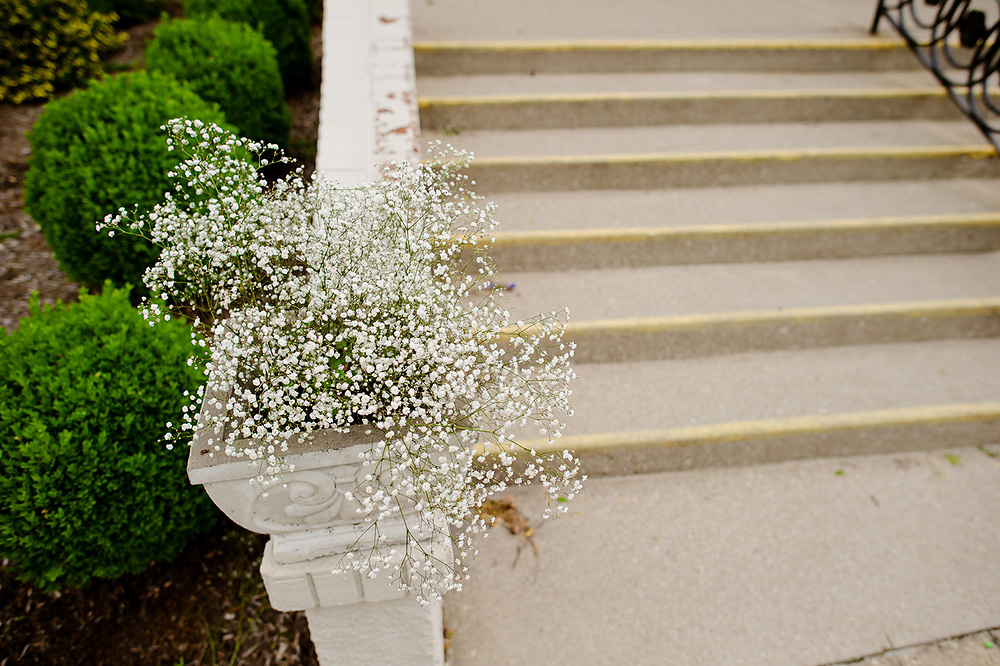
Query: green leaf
x=953, y=459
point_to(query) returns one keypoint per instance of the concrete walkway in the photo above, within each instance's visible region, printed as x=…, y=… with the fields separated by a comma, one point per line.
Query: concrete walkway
x=801, y=563
x=978, y=649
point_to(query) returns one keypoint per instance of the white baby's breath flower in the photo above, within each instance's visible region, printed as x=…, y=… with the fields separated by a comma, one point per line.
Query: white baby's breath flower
x=328, y=307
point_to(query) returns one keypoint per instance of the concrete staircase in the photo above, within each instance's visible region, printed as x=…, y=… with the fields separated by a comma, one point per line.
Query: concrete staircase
x=769, y=250
x=773, y=250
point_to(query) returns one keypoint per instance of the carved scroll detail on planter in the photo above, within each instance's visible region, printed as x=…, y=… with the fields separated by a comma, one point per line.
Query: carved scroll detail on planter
x=308, y=499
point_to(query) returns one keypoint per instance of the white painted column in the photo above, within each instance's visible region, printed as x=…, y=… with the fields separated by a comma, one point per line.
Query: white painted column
x=368, y=118
x=409, y=634
x=368, y=107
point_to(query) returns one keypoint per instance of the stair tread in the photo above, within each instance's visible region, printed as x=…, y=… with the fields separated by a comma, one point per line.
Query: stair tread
x=661, y=291
x=600, y=141
x=664, y=208
x=807, y=562
x=653, y=395
x=546, y=84
x=637, y=19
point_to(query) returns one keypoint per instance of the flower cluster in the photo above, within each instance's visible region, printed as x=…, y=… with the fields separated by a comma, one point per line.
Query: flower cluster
x=328, y=307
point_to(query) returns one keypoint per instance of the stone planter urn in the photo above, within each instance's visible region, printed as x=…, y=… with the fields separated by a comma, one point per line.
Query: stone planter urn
x=353, y=619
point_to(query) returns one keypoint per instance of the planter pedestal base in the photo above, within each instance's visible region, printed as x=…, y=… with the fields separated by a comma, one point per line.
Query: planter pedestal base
x=398, y=631
x=352, y=619
x=313, y=523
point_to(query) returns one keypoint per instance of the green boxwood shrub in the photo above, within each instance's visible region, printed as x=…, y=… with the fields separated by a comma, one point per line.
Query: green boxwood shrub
x=285, y=23
x=98, y=150
x=87, y=489
x=230, y=64
x=315, y=9
x=48, y=45
x=129, y=11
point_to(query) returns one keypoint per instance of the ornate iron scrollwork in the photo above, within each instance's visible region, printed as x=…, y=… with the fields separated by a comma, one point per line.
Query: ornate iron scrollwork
x=957, y=41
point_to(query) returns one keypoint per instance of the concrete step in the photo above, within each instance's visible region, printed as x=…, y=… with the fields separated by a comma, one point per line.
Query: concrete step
x=782, y=384
x=762, y=204
x=448, y=58
x=460, y=114
x=748, y=167
x=764, y=441
x=585, y=249
x=796, y=564
x=642, y=416
x=567, y=20
x=542, y=84
x=637, y=142
x=667, y=291
x=695, y=335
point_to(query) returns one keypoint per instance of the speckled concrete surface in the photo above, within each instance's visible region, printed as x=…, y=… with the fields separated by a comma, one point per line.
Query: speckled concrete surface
x=979, y=649
x=639, y=19
x=798, y=563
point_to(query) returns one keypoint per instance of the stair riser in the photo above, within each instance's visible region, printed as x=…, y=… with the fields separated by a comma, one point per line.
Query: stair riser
x=749, y=448
x=618, y=172
x=454, y=59
x=769, y=206
x=638, y=111
x=748, y=245
x=697, y=337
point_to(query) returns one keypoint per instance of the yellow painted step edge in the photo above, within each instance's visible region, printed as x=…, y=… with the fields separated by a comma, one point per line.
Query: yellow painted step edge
x=514, y=239
x=873, y=44
x=786, y=155
x=959, y=307
x=738, y=431
x=426, y=103
x=964, y=307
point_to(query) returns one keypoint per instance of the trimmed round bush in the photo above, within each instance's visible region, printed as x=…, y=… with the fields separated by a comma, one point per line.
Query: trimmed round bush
x=87, y=489
x=48, y=45
x=230, y=64
x=285, y=23
x=129, y=11
x=315, y=10
x=98, y=150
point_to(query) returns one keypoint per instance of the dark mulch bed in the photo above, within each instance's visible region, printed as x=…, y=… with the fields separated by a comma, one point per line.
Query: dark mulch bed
x=209, y=606
x=26, y=261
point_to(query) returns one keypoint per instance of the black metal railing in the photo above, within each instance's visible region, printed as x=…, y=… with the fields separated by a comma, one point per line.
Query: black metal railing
x=957, y=41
